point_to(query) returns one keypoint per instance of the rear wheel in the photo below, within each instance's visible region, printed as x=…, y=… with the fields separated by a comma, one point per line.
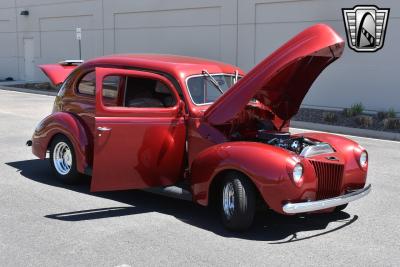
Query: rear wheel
x=237, y=202
x=62, y=160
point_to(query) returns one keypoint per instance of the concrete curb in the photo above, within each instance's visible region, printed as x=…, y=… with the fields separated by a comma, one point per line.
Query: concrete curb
x=345, y=130
x=25, y=90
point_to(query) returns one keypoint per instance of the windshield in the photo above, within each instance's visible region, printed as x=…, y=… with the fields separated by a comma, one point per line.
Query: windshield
x=203, y=91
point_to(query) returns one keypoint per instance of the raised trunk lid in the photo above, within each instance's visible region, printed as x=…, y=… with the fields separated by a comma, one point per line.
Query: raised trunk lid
x=281, y=81
x=57, y=73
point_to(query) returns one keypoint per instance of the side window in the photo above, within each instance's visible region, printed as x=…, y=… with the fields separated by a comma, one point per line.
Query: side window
x=147, y=93
x=111, y=91
x=129, y=91
x=87, y=85
x=111, y=84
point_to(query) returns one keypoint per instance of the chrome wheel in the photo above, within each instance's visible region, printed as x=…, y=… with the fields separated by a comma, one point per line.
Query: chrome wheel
x=228, y=200
x=62, y=158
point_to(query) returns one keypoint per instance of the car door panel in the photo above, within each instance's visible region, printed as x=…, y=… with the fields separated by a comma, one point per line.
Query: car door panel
x=136, y=147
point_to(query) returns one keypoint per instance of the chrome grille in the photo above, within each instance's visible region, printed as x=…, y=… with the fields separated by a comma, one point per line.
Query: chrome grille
x=329, y=178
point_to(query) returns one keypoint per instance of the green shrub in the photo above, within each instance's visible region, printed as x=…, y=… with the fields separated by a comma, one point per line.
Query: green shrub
x=357, y=109
x=354, y=110
x=391, y=113
x=329, y=116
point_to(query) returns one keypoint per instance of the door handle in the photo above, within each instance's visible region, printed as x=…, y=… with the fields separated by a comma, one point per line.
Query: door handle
x=103, y=129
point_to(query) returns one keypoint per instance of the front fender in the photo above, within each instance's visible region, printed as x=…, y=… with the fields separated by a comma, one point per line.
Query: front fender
x=68, y=125
x=265, y=165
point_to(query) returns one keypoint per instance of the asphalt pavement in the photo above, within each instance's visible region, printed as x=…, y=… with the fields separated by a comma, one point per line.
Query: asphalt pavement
x=45, y=223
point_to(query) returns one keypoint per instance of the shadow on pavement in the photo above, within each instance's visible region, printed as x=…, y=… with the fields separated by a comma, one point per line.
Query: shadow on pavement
x=268, y=226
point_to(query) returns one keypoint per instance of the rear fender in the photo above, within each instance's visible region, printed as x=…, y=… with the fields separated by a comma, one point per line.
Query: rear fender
x=68, y=125
x=265, y=165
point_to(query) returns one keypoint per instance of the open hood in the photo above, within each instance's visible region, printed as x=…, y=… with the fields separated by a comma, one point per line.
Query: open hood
x=281, y=81
x=57, y=73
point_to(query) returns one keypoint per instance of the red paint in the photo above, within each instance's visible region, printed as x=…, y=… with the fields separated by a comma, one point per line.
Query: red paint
x=268, y=168
x=68, y=125
x=281, y=81
x=145, y=147
x=57, y=73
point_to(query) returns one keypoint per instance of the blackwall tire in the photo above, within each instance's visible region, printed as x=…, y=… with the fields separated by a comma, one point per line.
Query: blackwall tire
x=237, y=202
x=63, y=161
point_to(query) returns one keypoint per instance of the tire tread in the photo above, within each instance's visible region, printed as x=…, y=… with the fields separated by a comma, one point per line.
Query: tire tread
x=245, y=200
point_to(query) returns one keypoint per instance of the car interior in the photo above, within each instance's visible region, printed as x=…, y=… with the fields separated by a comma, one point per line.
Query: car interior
x=138, y=92
x=143, y=92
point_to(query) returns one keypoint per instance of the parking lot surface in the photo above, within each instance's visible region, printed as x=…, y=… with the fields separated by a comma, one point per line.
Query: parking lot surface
x=45, y=223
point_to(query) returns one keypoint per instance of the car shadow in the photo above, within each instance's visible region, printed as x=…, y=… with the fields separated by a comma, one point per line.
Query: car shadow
x=268, y=225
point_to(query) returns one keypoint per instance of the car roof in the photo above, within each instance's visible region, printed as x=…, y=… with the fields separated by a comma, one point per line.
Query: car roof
x=180, y=66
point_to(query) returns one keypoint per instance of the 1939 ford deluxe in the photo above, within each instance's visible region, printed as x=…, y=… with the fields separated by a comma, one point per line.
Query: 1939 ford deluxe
x=203, y=128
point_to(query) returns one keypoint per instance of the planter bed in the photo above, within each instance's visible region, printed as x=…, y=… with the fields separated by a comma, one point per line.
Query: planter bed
x=359, y=121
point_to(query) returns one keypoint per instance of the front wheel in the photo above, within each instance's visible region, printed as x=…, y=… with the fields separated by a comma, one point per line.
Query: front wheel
x=62, y=160
x=237, y=202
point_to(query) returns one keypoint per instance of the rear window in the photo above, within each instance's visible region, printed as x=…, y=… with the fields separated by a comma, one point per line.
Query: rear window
x=87, y=85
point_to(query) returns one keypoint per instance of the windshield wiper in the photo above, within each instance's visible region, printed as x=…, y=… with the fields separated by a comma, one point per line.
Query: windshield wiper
x=213, y=81
x=236, y=77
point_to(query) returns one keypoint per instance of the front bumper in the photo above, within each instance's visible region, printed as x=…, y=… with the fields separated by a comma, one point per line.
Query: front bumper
x=294, y=208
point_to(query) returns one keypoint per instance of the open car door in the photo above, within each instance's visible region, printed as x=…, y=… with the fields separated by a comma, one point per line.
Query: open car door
x=136, y=147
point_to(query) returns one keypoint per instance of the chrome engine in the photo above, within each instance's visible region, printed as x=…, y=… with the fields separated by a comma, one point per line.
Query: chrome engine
x=299, y=145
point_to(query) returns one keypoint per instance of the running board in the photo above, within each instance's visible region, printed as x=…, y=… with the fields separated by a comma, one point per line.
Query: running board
x=171, y=191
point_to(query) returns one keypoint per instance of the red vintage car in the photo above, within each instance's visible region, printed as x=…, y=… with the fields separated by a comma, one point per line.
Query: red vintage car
x=203, y=129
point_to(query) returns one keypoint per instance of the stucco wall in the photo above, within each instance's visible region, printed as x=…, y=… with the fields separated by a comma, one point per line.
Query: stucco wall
x=240, y=32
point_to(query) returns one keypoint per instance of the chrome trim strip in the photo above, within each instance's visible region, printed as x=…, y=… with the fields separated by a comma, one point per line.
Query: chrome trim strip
x=294, y=208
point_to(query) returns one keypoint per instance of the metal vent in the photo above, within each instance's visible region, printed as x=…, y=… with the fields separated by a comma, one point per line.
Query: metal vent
x=330, y=177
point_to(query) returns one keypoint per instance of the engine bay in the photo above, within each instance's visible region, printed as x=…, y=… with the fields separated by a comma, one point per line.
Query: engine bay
x=258, y=124
x=300, y=145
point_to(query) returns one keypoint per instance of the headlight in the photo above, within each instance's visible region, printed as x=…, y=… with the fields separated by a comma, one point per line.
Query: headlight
x=363, y=159
x=298, y=174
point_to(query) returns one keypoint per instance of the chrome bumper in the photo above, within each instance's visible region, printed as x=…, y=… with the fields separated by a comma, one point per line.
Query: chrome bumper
x=293, y=208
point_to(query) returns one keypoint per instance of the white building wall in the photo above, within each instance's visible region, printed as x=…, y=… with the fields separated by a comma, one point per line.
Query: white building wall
x=240, y=32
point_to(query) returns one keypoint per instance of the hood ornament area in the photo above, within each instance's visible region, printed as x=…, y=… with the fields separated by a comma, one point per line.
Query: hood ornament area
x=333, y=158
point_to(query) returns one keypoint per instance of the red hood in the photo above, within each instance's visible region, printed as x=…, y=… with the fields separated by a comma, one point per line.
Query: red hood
x=282, y=80
x=57, y=73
